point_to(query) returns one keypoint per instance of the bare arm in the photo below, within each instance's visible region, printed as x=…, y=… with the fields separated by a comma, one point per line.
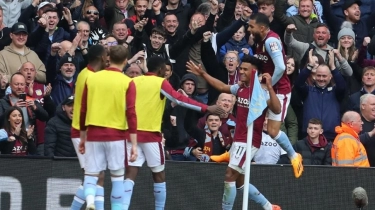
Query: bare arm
x=217, y=84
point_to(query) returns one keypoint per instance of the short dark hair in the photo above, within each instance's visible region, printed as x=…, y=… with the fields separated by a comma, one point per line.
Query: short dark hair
x=168, y=14
x=260, y=19
x=211, y=114
x=118, y=54
x=159, y=30
x=316, y=122
x=155, y=63
x=95, y=52
x=253, y=61
x=266, y=2
x=52, y=9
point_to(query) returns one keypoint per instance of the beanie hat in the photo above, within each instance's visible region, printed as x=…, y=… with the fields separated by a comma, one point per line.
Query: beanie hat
x=65, y=59
x=346, y=30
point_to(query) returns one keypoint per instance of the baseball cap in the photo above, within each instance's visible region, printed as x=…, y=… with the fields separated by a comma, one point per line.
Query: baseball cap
x=19, y=27
x=69, y=100
x=45, y=3
x=349, y=3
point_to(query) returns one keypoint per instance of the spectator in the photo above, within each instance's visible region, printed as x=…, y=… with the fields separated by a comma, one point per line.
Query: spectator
x=319, y=45
x=176, y=147
x=121, y=33
x=352, y=13
x=347, y=150
x=304, y=21
x=134, y=70
x=362, y=55
x=237, y=43
x=5, y=32
x=15, y=139
x=205, y=142
x=48, y=28
x=14, y=55
x=40, y=93
x=368, y=81
x=32, y=13
x=269, y=151
x=57, y=133
x=97, y=32
x=117, y=10
x=322, y=99
x=267, y=7
x=172, y=77
x=63, y=82
x=293, y=9
x=314, y=148
x=367, y=135
x=4, y=84
x=13, y=11
x=182, y=12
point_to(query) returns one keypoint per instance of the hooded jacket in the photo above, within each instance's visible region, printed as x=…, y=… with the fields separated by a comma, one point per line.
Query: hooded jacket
x=180, y=113
x=57, y=141
x=11, y=61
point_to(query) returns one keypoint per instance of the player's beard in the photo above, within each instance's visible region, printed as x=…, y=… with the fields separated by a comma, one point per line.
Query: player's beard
x=257, y=37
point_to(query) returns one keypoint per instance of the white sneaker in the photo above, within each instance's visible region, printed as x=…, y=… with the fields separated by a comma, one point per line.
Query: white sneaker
x=90, y=207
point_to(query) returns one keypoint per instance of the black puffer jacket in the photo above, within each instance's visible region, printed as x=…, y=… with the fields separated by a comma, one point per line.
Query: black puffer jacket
x=57, y=141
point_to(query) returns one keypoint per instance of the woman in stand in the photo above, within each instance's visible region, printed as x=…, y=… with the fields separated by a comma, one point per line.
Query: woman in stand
x=14, y=139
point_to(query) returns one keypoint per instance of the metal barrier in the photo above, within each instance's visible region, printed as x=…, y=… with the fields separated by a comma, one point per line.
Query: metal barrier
x=40, y=183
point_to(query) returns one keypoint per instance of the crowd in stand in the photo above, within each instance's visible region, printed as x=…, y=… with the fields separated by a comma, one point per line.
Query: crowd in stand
x=329, y=44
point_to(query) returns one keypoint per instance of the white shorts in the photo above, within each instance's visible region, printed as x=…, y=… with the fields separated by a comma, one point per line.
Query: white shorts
x=237, y=154
x=81, y=158
x=284, y=101
x=99, y=155
x=151, y=152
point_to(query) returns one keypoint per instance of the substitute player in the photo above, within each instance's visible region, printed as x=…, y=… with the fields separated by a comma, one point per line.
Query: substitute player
x=269, y=49
x=96, y=61
x=234, y=175
x=108, y=117
x=154, y=89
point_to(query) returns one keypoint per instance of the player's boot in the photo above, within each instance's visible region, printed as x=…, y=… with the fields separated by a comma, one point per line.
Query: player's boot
x=276, y=207
x=297, y=165
x=90, y=207
x=220, y=158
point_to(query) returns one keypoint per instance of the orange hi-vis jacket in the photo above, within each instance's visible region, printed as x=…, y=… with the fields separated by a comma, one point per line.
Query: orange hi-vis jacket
x=347, y=150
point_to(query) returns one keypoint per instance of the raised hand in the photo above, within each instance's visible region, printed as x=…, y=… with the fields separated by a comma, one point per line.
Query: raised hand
x=207, y=36
x=291, y=28
x=192, y=68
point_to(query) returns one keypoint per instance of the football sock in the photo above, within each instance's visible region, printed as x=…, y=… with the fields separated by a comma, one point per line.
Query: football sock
x=160, y=193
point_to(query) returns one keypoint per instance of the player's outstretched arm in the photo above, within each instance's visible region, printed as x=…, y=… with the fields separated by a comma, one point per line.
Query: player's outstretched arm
x=273, y=103
x=217, y=84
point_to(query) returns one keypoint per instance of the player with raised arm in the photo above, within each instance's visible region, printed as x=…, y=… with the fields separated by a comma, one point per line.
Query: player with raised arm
x=154, y=89
x=107, y=118
x=234, y=175
x=269, y=49
x=96, y=61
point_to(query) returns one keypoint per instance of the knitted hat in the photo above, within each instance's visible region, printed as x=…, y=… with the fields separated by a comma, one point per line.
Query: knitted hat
x=346, y=30
x=66, y=59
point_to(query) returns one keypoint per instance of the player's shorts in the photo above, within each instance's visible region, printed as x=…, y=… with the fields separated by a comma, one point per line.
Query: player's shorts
x=151, y=152
x=237, y=154
x=284, y=101
x=81, y=157
x=102, y=154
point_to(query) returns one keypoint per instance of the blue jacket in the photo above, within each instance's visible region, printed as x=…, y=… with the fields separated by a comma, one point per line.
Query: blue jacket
x=43, y=47
x=321, y=103
x=354, y=100
x=233, y=45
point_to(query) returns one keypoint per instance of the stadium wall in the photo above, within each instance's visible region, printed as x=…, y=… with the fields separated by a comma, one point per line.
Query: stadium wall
x=40, y=183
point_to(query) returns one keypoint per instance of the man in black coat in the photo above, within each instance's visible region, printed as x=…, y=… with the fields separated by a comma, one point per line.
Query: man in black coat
x=57, y=141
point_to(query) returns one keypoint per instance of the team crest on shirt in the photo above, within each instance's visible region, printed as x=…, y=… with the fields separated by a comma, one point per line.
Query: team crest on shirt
x=274, y=47
x=38, y=92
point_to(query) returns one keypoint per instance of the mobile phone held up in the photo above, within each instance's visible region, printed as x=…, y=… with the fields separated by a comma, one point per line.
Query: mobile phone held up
x=22, y=96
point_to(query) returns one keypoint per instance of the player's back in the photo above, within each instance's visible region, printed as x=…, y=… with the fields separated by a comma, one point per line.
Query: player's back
x=150, y=103
x=106, y=99
x=78, y=91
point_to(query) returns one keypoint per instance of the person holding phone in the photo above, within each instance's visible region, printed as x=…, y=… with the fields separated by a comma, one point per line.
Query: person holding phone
x=31, y=109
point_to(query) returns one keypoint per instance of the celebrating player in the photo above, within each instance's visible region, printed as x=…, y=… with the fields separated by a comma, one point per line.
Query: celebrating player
x=269, y=49
x=108, y=116
x=234, y=175
x=154, y=90
x=96, y=61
